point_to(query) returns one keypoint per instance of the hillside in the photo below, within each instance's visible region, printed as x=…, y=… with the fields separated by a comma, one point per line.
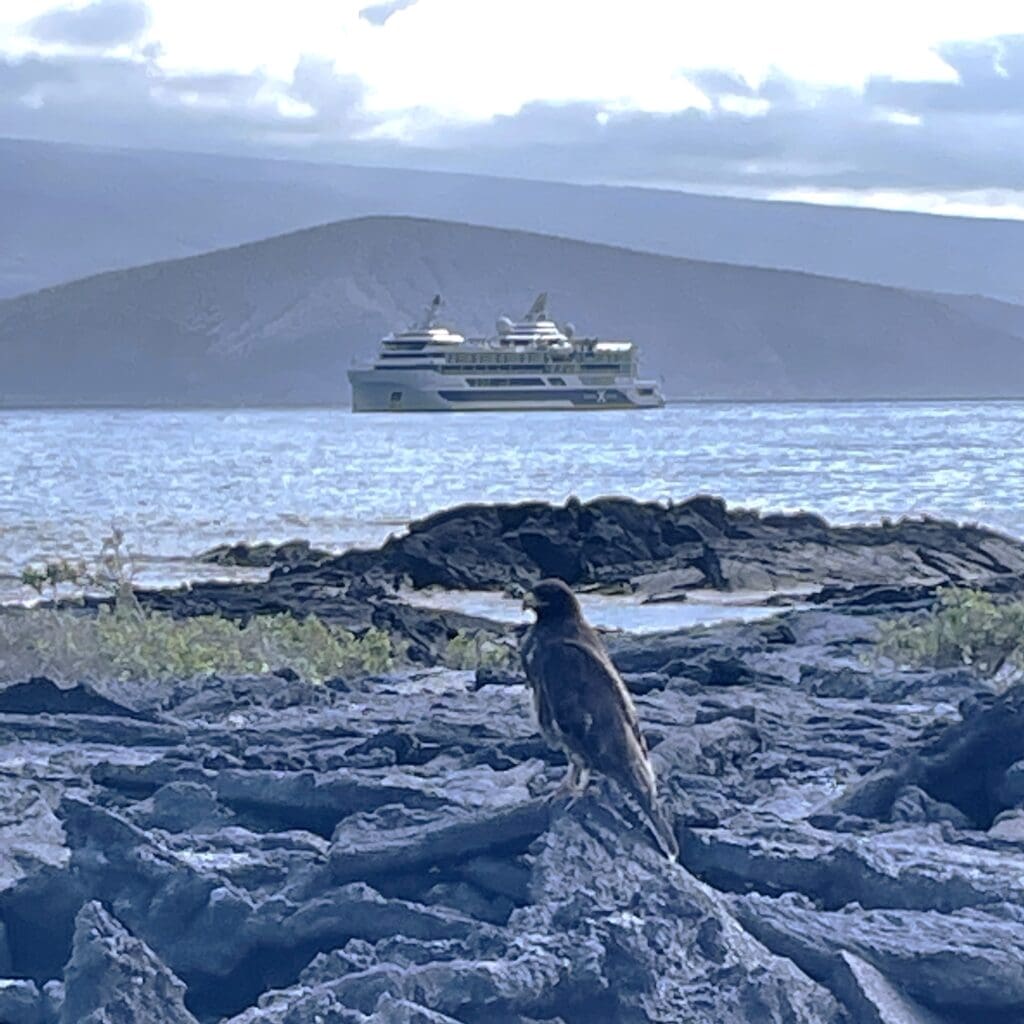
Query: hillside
x=279, y=321
x=71, y=211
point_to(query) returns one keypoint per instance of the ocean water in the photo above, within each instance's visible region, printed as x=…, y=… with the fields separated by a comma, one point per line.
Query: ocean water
x=177, y=483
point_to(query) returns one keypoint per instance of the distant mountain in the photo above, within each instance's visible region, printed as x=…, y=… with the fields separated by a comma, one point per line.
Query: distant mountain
x=278, y=321
x=69, y=211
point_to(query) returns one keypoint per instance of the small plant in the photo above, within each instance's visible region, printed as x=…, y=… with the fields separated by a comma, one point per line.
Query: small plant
x=125, y=641
x=129, y=643
x=966, y=628
x=112, y=572
x=115, y=571
x=317, y=650
x=53, y=574
x=478, y=649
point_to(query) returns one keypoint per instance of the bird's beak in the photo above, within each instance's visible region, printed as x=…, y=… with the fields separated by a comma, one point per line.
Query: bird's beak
x=529, y=602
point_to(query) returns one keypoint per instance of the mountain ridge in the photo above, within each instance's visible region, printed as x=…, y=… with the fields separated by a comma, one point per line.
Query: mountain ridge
x=372, y=218
x=277, y=321
x=72, y=211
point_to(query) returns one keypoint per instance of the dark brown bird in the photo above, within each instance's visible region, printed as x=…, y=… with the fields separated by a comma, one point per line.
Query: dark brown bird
x=583, y=706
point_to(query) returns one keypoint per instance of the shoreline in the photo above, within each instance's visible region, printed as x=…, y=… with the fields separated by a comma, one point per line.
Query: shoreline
x=644, y=566
x=344, y=406
x=253, y=561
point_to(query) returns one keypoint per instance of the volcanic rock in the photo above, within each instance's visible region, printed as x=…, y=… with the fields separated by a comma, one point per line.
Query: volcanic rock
x=266, y=850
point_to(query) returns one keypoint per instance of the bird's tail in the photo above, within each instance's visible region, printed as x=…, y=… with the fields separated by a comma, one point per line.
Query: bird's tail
x=661, y=827
x=658, y=820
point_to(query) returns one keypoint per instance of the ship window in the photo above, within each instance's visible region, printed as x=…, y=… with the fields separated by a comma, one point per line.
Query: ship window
x=556, y=380
x=646, y=391
x=396, y=397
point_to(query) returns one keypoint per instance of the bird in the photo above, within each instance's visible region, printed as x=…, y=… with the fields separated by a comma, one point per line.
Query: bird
x=583, y=707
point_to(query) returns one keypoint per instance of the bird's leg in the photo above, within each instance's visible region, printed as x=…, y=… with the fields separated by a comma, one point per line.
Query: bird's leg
x=575, y=782
x=568, y=785
x=580, y=783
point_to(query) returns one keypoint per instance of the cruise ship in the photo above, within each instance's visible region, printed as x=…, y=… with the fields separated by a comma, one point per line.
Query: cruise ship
x=528, y=364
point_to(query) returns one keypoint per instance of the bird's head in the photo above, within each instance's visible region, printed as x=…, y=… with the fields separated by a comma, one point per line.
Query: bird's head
x=552, y=599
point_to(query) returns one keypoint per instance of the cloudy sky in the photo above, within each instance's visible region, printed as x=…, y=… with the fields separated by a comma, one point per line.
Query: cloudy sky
x=896, y=103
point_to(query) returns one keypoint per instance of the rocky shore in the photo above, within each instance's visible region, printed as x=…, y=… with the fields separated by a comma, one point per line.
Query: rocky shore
x=661, y=552
x=653, y=552
x=381, y=850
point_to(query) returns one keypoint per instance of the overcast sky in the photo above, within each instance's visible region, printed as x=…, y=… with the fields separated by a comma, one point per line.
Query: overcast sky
x=902, y=103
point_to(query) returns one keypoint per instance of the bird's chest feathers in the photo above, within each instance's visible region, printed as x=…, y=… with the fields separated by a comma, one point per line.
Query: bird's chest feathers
x=541, y=679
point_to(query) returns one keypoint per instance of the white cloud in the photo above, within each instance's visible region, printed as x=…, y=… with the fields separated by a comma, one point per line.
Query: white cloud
x=381, y=13
x=99, y=24
x=871, y=101
x=998, y=203
x=473, y=59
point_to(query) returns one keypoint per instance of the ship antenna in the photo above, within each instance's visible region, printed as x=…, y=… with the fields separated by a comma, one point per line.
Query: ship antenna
x=430, y=313
x=539, y=309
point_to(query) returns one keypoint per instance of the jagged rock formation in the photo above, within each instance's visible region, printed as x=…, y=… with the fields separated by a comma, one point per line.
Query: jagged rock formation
x=381, y=850
x=657, y=552
x=662, y=552
x=257, y=556
x=112, y=977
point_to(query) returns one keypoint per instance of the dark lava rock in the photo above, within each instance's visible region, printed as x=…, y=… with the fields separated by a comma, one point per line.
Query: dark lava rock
x=966, y=764
x=844, y=682
x=385, y=851
x=615, y=545
x=113, y=978
x=910, y=948
x=872, y=998
x=21, y=1002
x=730, y=672
x=914, y=804
x=183, y=807
x=488, y=676
x=611, y=933
x=1008, y=826
x=1011, y=789
x=43, y=696
x=262, y=556
x=664, y=551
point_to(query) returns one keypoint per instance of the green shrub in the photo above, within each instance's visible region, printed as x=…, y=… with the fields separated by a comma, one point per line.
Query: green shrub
x=53, y=574
x=111, y=571
x=966, y=628
x=478, y=649
x=317, y=650
x=128, y=643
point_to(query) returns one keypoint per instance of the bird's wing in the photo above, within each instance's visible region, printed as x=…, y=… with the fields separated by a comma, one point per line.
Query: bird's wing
x=617, y=687
x=593, y=712
x=529, y=651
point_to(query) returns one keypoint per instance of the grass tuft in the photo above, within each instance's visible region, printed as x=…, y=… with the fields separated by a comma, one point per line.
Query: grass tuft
x=478, y=649
x=967, y=628
x=128, y=643
x=124, y=641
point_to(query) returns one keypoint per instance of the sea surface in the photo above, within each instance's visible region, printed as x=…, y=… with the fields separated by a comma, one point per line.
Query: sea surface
x=177, y=483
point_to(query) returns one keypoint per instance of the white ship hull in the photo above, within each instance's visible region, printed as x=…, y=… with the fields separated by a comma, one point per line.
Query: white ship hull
x=426, y=390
